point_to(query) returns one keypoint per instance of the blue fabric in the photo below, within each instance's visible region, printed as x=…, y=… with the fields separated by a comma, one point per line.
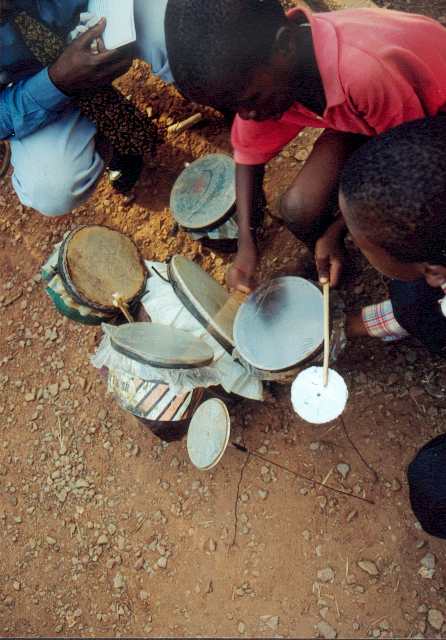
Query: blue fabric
x=427, y=484
x=416, y=308
x=33, y=101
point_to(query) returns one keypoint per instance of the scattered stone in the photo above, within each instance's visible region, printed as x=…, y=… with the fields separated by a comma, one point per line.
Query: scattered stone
x=162, y=563
x=17, y=586
x=435, y=619
x=307, y=535
x=428, y=561
x=344, y=469
x=351, y=515
x=118, y=581
x=369, y=567
x=143, y=596
x=30, y=397
x=326, y=575
x=53, y=389
x=263, y=494
x=270, y=622
x=396, y=485
x=51, y=541
x=139, y=564
x=326, y=630
x=102, y=540
x=315, y=446
x=241, y=627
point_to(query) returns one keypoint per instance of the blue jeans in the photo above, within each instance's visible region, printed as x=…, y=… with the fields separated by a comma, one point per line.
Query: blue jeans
x=57, y=168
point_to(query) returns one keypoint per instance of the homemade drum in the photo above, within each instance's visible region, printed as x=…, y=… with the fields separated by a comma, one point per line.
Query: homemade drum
x=203, y=201
x=204, y=298
x=208, y=434
x=279, y=329
x=153, y=401
x=90, y=266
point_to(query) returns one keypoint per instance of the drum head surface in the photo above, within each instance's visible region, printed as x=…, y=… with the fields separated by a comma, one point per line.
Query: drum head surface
x=208, y=434
x=314, y=402
x=159, y=346
x=204, y=297
x=280, y=324
x=99, y=262
x=204, y=192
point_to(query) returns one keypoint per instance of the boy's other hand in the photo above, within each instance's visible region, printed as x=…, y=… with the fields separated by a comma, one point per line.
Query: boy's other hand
x=79, y=69
x=329, y=256
x=241, y=274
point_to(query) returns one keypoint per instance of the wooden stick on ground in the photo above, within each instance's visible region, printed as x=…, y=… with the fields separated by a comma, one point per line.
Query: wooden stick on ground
x=326, y=290
x=178, y=127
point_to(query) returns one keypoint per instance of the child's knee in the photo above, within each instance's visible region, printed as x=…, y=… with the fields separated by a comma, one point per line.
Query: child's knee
x=296, y=212
x=58, y=192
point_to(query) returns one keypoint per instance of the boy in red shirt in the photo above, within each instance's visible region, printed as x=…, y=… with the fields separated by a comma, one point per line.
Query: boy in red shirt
x=354, y=73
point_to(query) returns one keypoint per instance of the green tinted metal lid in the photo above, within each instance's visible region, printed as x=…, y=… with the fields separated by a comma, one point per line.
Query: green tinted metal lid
x=204, y=193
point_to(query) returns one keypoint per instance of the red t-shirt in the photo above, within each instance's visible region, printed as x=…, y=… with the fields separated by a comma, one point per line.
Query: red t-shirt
x=379, y=68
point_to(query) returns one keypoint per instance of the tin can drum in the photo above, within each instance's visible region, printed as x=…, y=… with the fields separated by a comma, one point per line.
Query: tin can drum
x=90, y=266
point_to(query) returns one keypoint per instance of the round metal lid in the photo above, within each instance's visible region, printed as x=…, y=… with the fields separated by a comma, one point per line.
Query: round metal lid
x=204, y=297
x=208, y=434
x=280, y=324
x=204, y=192
x=159, y=346
x=317, y=403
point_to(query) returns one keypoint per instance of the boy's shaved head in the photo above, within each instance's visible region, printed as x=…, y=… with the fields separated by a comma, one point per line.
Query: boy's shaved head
x=393, y=191
x=214, y=45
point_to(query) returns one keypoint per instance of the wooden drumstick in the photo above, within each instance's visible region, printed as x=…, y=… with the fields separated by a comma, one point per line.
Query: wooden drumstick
x=121, y=305
x=231, y=306
x=326, y=290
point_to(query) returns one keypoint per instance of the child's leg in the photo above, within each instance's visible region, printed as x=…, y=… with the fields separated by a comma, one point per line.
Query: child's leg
x=376, y=321
x=308, y=206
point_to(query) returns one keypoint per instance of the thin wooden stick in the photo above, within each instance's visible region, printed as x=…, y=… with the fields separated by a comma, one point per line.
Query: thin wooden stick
x=326, y=290
x=123, y=308
x=178, y=127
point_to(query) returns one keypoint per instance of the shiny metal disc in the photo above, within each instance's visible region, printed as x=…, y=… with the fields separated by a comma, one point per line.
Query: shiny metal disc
x=208, y=434
x=280, y=324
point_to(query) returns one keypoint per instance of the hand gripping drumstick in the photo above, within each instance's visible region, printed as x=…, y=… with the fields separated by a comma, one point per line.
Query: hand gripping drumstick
x=326, y=290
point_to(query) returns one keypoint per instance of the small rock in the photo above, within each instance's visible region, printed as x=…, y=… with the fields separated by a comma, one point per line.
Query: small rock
x=143, y=596
x=396, y=485
x=428, y=561
x=351, y=515
x=51, y=541
x=139, y=564
x=326, y=575
x=17, y=586
x=102, y=540
x=53, y=389
x=326, y=630
x=315, y=446
x=118, y=581
x=30, y=397
x=369, y=567
x=241, y=627
x=263, y=494
x=307, y=535
x=435, y=619
x=162, y=563
x=344, y=469
x=270, y=622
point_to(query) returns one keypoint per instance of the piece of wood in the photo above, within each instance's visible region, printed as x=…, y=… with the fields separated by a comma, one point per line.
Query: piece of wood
x=119, y=303
x=326, y=290
x=229, y=310
x=178, y=127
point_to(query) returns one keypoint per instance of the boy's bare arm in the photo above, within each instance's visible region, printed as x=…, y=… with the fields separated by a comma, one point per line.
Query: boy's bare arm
x=241, y=274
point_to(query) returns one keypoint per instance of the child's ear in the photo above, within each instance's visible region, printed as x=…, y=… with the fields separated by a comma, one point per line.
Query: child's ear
x=284, y=41
x=435, y=274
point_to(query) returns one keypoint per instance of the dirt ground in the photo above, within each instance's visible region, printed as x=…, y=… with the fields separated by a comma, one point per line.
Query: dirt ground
x=106, y=531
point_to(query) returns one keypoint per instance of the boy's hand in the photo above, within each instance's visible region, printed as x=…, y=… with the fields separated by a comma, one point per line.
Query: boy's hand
x=329, y=256
x=78, y=69
x=241, y=274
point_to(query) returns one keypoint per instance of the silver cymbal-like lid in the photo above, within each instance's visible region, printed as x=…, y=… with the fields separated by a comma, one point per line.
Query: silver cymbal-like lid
x=204, y=193
x=208, y=434
x=280, y=324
